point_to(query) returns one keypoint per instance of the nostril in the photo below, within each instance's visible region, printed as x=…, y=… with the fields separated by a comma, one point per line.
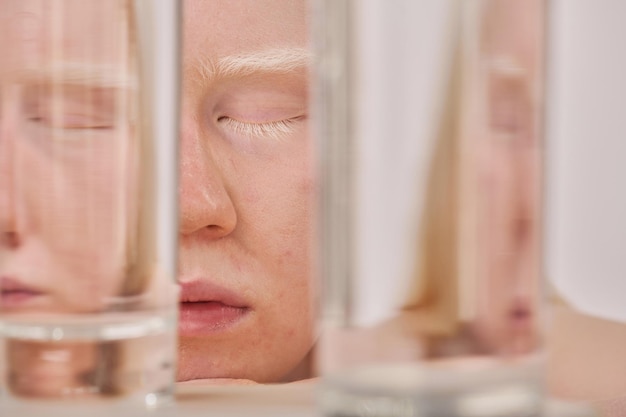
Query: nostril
x=9, y=239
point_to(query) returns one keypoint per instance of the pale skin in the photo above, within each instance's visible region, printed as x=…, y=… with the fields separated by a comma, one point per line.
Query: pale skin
x=505, y=143
x=585, y=359
x=63, y=155
x=66, y=158
x=246, y=188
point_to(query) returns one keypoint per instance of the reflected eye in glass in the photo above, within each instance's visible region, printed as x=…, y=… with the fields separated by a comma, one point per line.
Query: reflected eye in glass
x=71, y=108
x=509, y=98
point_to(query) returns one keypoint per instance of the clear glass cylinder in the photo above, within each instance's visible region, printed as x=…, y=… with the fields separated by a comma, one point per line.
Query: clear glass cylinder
x=430, y=132
x=88, y=200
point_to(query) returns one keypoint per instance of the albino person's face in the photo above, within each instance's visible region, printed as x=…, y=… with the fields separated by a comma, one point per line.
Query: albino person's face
x=64, y=154
x=509, y=173
x=246, y=191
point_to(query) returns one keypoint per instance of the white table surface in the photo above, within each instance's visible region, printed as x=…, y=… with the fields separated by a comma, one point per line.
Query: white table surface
x=294, y=400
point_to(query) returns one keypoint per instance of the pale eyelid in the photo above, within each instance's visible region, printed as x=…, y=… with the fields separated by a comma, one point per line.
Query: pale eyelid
x=71, y=123
x=65, y=119
x=275, y=130
x=72, y=112
x=71, y=134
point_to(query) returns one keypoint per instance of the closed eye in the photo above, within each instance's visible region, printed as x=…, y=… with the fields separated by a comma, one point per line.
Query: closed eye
x=276, y=130
x=70, y=108
x=72, y=122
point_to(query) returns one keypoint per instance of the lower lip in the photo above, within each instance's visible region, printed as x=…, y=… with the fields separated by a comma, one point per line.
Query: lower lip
x=12, y=299
x=204, y=318
x=521, y=319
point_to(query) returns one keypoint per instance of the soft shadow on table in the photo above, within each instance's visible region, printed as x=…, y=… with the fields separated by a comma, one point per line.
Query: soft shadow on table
x=296, y=399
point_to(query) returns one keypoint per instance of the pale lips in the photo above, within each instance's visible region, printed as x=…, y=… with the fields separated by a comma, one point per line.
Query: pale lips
x=520, y=316
x=207, y=308
x=14, y=293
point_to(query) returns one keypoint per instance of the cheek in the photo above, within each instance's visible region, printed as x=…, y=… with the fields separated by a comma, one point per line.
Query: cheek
x=302, y=213
x=92, y=206
x=289, y=253
x=281, y=189
x=298, y=311
x=77, y=207
x=494, y=172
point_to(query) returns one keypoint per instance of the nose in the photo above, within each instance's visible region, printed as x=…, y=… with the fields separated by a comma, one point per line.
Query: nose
x=205, y=203
x=8, y=225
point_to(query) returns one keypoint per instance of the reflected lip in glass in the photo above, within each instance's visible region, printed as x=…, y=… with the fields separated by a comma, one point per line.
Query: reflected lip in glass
x=14, y=293
x=207, y=308
x=521, y=312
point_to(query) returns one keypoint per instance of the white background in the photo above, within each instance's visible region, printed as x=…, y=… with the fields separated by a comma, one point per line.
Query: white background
x=586, y=155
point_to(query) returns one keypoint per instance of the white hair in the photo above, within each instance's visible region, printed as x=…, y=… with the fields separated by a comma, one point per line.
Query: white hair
x=280, y=60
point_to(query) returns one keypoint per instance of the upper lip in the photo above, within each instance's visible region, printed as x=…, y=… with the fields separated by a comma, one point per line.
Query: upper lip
x=12, y=285
x=521, y=308
x=201, y=290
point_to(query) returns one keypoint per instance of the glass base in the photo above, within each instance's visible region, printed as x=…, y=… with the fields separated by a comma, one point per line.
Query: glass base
x=468, y=389
x=111, y=360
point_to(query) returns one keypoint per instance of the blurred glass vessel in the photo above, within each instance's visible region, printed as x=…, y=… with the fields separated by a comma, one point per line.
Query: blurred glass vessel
x=430, y=127
x=88, y=167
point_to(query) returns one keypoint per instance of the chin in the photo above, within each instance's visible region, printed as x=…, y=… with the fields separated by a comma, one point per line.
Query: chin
x=213, y=359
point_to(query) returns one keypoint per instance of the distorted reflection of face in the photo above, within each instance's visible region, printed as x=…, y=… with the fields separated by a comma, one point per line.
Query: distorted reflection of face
x=246, y=191
x=65, y=154
x=509, y=176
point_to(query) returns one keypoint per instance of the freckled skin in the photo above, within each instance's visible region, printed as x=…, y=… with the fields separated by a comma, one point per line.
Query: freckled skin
x=246, y=203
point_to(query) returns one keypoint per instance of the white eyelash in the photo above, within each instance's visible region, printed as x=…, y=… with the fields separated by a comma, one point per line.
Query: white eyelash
x=274, y=130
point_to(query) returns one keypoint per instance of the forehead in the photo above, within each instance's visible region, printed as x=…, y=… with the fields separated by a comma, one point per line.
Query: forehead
x=37, y=32
x=218, y=28
x=515, y=29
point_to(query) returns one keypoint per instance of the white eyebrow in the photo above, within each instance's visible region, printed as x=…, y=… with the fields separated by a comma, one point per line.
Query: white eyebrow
x=283, y=60
x=87, y=74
